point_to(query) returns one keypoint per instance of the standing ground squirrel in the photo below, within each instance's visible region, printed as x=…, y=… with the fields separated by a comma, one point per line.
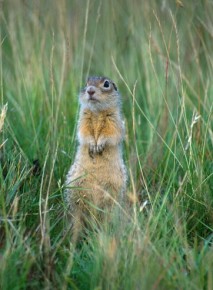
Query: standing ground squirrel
x=98, y=176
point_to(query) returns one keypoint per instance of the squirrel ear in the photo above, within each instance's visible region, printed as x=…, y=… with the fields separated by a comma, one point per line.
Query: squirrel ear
x=114, y=86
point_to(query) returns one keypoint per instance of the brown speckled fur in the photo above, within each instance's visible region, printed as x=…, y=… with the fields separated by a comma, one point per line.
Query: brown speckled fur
x=98, y=176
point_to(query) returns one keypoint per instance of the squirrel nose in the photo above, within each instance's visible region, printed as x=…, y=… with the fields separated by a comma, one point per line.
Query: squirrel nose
x=91, y=91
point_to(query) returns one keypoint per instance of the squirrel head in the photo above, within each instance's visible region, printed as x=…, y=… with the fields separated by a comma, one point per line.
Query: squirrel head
x=100, y=93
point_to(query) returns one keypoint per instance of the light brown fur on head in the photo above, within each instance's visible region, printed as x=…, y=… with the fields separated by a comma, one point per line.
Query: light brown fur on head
x=104, y=94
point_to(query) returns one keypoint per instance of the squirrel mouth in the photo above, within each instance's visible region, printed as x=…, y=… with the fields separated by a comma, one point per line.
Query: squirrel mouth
x=91, y=98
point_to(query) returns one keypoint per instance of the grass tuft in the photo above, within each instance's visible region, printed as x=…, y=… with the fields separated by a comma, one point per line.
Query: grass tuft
x=159, y=53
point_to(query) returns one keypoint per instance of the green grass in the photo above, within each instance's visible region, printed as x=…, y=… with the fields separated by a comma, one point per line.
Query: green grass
x=160, y=56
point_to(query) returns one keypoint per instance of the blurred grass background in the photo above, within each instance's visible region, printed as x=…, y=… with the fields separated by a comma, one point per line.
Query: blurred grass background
x=160, y=55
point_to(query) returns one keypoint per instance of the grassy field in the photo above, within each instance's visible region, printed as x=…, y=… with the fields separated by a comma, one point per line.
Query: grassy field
x=160, y=54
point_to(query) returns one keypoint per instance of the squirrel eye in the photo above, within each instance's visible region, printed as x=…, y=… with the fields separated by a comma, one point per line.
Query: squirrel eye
x=114, y=86
x=106, y=84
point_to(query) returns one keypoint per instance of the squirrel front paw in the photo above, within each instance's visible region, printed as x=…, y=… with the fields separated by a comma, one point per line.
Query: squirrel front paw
x=92, y=149
x=100, y=146
x=96, y=148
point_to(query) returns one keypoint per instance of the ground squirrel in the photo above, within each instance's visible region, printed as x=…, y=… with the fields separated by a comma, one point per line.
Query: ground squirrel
x=98, y=176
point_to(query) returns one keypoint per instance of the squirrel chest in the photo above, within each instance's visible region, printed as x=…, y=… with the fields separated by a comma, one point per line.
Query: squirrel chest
x=97, y=124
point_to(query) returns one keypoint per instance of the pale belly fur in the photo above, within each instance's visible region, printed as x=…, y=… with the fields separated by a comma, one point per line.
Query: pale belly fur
x=101, y=180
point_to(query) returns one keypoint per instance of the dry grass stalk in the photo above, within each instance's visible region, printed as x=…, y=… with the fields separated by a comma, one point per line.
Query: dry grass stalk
x=2, y=116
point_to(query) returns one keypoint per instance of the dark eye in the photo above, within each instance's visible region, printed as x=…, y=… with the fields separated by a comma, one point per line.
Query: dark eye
x=114, y=86
x=106, y=84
